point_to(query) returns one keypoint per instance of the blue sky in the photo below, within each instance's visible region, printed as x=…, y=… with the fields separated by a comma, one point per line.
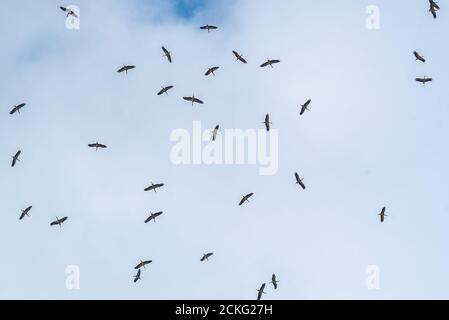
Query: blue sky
x=373, y=138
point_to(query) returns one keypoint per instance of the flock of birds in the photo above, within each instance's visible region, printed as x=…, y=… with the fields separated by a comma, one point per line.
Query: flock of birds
x=164, y=90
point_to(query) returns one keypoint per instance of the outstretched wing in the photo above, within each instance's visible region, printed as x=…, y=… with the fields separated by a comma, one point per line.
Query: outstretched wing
x=198, y=101
x=265, y=64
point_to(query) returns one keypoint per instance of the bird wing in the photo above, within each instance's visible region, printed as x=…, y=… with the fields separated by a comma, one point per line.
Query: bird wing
x=242, y=201
x=302, y=184
x=208, y=72
x=243, y=60
x=236, y=54
x=63, y=219
x=63, y=9
x=188, y=98
x=159, y=185
x=165, y=51
x=92, y=145
x=13, y=110
x=198, y=101
x=138, y=267
x=22, y=215
x=18, y=154
x=275, y=61
x=249, y=195
x=297, y=177
x=149, y=188
x=102, y=146
x=54, y=223
x=264, y=64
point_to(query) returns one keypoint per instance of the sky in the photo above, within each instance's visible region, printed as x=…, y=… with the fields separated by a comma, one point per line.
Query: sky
x=373, y=137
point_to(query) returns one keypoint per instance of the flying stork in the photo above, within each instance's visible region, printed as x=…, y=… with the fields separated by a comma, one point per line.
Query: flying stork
x=299, y=181
x=17, y=108
x=382, y=215
x=274, y=281
x=423, y=80
x=137, y=276
x=25, y=212
x=97, y=146
x=164, y=90
x=208, y=28
x=305, y=107
x=154, y=186
x=206, y=256
x=15, y=158
x=245, y=198
x=215, y=132
x=142, y=264
x=153, y=216
x=267, y=122
x=125, y=68
x=58, y=221
x=69, y=12
x=211, y=71
x=167, y=54
x=260, y=291
x=419, y=57
x=270, y=63
x=434, y=7
x=239, y=57
x=193, y=99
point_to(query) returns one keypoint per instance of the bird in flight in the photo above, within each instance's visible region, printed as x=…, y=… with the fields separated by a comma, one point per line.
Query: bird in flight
x=211, y=71
x=153, y=216
x=167, y=54
x=423, y=80
x=419, y=57
x=17, y=108
x=25, y=212
x=239, y=57
x=58, y=221
x=206, y=256
x=164, y=90
x=305, y=107
x=269, y=63
x=208, y=28
x=434, y=7
x=137, y=276
x=97, y=146
x=69, y=12
x=299, y=181
x=215, y=132
x=15, y=158
x=125, y=69
x=193, y=99
x=274, y=281
x=245, y=198
x=260, y=291
x=142, y=264
x=154, y=186
x=382, y=215
x=267, y=122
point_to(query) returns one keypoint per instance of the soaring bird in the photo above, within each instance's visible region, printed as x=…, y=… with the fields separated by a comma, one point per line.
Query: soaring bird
x=154, y=187
x=193, y=99
x=419, y=57
x=269, y=63
x=211, y=71
x=305, y=107
x=206, y=256
x=25, y=212
x=274, y=281
x=239, y=57
x=69, y=12
x=17, y=108
x=382, y=215
x=167, y=54
x=125, y=68
x=208, y=27
x=299, y=181
x=153, y=216
x=58, y=221
x=164, y=90
x=267, y=122
x=15, y=158
x=215, y=132
x=143, y=264
x=434, y=7
x=260, y=291
x=97, y=146
x=137, y=276
x=423, y=80
x=245, y=198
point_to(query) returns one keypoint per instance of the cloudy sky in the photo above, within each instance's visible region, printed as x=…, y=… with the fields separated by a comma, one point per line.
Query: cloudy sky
x=372, y=138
